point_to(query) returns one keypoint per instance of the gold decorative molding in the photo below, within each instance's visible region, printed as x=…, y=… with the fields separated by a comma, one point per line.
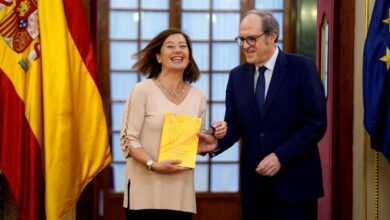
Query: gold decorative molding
x=8, y=207
x=376, y=185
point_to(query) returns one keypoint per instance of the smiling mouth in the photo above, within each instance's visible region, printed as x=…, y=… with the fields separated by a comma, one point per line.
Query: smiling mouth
x=249, y=51
x=177, y=59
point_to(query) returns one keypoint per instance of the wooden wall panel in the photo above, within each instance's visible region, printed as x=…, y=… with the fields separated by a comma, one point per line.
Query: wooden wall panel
x=209, y=206
x=218, y=206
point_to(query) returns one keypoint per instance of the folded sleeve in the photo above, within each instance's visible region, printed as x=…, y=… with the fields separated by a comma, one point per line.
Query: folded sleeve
x=202, y=112
x=133, y=119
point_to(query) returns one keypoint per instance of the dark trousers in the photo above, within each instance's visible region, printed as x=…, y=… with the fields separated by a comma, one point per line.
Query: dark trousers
x=269, y=206
x=157, y=214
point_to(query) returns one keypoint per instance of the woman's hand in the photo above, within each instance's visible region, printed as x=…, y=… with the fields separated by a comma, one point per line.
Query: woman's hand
x=168, y=166
x=207, y=143
x=218, y=129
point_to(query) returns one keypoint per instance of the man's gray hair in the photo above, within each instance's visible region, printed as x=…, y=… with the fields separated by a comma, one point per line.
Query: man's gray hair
x=269, y=22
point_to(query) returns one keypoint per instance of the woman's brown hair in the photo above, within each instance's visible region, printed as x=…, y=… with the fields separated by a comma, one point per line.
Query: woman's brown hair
x=147, y=62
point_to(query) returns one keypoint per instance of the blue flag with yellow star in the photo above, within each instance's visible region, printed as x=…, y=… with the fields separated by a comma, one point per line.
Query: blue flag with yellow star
x=376, y=80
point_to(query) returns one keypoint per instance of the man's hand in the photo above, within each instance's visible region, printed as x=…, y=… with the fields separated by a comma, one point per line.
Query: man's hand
x=207, y=143
x=218, y=129
x=269, y=166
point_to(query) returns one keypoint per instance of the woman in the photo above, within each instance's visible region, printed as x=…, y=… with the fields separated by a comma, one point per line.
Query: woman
x=161, y=190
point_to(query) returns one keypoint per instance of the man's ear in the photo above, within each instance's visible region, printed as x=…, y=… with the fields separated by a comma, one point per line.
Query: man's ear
x=271, y=38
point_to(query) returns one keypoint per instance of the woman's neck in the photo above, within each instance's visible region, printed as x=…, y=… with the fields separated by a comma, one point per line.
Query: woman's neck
x=171, y=80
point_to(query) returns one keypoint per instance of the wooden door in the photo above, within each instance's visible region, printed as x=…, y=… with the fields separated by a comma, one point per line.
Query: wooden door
x=335, y=24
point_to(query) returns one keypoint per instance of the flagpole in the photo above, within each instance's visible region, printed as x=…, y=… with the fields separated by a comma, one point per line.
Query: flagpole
x=365, y=133
x=376, y=155
x=367, y=17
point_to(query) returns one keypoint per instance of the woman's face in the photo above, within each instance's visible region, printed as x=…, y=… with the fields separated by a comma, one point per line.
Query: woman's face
x=174, y=54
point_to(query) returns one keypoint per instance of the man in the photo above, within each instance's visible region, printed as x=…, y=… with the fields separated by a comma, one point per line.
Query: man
x=280, y=115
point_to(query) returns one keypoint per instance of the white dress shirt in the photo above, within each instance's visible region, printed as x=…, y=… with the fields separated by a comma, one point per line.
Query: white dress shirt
x=270, y=64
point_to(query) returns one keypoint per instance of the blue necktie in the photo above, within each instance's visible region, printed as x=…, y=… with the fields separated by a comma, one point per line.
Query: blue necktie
x=260, y=89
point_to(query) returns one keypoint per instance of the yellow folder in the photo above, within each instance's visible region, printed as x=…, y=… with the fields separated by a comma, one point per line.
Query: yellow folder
x=179, y=139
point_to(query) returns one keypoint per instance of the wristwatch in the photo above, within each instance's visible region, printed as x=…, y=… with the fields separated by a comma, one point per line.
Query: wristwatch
x=149, y=164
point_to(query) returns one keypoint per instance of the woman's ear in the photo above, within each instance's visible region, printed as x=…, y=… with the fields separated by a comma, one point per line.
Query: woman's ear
x=158, y=58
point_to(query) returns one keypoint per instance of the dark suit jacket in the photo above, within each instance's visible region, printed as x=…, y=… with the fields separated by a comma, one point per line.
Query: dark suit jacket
x=293, y=122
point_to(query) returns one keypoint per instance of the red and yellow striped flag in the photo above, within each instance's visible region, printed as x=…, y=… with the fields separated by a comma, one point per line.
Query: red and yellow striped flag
x=51, y=108
x=21, y=110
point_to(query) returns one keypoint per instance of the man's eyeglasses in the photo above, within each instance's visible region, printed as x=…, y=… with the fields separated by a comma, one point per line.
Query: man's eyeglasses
x=251, y=40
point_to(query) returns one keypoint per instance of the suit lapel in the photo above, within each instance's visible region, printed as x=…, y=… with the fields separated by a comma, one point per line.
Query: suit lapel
x=278, y=75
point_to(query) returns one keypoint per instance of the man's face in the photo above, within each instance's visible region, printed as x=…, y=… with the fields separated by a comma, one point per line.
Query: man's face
x=256, y=52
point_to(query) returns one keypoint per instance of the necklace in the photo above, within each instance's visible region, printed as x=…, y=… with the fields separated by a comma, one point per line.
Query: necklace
x=174, y=93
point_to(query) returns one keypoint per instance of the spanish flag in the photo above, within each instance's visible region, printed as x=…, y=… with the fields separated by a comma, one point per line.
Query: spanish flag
x=54, y=137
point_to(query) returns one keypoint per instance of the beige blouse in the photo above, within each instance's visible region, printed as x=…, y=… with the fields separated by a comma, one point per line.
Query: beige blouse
x=141, y=126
